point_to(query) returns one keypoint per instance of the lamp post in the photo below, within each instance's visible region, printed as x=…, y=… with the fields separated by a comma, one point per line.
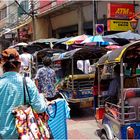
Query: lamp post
x=134, y=23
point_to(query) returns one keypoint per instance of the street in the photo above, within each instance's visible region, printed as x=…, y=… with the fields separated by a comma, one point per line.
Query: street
x=82, y=125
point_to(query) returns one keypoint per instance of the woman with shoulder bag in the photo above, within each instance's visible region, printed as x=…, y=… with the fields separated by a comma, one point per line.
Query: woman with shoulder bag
x=12, y=93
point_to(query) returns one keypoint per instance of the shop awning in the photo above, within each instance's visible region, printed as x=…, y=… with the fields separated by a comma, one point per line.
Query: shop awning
x=23, y=24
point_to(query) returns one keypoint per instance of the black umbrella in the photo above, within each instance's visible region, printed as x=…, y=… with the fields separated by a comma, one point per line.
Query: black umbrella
x=121, y=41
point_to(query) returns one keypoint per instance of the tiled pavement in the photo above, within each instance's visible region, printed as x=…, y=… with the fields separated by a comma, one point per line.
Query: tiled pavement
x=82, y=127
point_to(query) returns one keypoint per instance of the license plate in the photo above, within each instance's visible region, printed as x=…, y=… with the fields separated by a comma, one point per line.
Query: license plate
x=85, y=104
x=84, y=92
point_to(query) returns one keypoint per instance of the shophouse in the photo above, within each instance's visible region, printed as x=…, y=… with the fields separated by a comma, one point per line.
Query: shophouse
x=77, y=17
x=60, y=18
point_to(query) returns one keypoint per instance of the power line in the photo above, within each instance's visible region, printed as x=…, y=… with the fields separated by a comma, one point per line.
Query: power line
x=32, y=10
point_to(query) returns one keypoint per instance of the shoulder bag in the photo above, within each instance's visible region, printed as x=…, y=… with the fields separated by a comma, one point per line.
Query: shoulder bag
x=29, y=124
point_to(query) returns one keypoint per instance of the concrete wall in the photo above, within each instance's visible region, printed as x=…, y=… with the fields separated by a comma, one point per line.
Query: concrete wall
x=41, y=28
x=65, y=20
x=3, y=21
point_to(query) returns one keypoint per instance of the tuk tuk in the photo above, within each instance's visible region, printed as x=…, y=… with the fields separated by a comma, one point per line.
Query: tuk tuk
x=39, y=55
x=120, y=120
x=75, y=81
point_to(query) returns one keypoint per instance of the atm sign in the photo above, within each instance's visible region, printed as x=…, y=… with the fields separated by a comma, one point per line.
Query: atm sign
x=120, y=11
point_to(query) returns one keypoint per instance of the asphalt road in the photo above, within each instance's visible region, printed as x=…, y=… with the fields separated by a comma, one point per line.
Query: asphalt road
x=82, y=125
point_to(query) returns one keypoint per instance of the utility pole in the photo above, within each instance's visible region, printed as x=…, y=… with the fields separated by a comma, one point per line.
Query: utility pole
x=31, y=14
x=33, y=19
x=80, y=20
x=94, y=17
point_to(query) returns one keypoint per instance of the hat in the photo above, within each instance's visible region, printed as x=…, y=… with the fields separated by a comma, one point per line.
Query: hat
x=10, y=54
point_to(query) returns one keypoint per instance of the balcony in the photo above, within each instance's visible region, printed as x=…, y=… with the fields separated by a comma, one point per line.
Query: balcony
x=58, y=7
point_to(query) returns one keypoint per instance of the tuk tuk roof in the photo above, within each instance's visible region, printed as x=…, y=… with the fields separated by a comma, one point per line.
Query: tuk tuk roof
x=81, y=54
x=47, y=51
x=124, y=52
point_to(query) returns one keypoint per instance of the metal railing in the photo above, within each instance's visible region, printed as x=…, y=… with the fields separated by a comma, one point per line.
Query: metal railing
x=130, y=112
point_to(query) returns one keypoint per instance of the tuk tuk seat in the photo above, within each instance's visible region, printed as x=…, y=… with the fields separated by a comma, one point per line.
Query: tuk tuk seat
x=130, y=82
x=132, y=98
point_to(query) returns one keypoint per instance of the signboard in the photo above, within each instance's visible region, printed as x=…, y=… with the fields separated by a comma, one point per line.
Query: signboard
x=8, y=35
x=120, y=10
x=119, y=25
x=100, y=29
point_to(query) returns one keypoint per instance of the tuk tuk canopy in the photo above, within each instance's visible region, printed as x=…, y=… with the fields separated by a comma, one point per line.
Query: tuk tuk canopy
x=47, y=52
x=126, y=52
x=81, y=54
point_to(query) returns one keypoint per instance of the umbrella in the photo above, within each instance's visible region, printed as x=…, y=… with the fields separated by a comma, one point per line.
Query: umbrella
x=113, y=47
x=99, y=39
x=11, y=46
x=62, y=40
x=126, y=35
x=77, y=39
x=21, y=44
x=48, y=41
x=121, y=41
x=45, y=40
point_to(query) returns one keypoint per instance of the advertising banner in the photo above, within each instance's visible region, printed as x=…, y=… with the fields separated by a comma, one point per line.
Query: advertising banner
x=120, y=10
x=119, y=25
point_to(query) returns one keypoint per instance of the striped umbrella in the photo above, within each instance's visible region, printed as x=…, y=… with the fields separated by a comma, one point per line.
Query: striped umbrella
x=77, y=39
x=99, y=39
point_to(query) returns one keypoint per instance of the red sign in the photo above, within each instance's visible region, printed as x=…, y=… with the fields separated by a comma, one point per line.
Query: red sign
x=120, y=10
x=46, y=5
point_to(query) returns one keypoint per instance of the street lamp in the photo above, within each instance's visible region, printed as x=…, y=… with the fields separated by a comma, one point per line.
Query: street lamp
x=134, y=23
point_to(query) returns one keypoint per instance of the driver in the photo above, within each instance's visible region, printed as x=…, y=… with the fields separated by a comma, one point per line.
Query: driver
x=114, y=86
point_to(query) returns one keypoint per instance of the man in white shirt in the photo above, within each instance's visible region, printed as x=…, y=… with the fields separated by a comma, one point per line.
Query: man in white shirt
x=26, y=62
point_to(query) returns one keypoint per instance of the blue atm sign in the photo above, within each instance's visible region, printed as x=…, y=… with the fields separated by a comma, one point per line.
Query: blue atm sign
x=100, y=29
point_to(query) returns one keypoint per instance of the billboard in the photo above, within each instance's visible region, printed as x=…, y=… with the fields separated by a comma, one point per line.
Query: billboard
x=119, y=25
x=120, y=10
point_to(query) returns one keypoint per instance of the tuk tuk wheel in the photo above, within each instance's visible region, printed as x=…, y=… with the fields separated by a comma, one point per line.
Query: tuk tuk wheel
x=104, y=137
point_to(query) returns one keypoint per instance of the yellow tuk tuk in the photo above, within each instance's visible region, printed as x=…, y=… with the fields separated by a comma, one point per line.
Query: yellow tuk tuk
x=75, y=81
x=121, y=119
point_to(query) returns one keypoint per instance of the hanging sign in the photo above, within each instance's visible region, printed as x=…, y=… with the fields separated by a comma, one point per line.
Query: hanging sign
x=119, y=25
x=120, y=10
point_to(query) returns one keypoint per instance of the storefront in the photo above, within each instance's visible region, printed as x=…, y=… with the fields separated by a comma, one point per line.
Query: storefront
x=25, y=33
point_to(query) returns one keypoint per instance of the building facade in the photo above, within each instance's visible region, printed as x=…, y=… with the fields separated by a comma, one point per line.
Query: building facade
x=35, y=19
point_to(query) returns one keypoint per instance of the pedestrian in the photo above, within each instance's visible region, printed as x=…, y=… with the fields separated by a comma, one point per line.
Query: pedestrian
x=26, y=61
x=12, y=93
x=45, y=79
